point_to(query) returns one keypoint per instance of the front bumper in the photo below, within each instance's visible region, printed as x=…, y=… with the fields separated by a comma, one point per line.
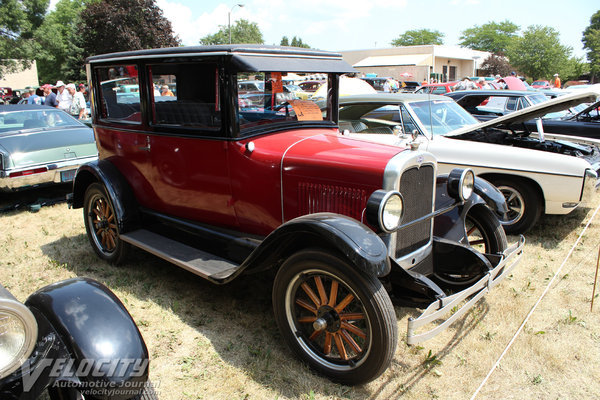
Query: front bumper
x=591, y=182
x=50, y=173
x=439, y=308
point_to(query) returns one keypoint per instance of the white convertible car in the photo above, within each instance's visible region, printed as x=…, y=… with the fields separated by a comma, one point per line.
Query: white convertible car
x=535, y=173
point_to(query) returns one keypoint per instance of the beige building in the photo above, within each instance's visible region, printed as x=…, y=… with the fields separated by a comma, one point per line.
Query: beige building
x=21, y=79
x=418, y=63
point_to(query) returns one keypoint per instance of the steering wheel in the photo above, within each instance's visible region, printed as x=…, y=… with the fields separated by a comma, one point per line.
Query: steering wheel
x=280, y=106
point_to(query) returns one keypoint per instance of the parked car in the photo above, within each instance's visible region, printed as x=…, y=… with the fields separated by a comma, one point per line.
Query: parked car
x=437, y=88
x=541, y=84
x=311, y=86
x=71, y=340
x=580, y=120
x=488, y=104
x=223, y=191
x=41, y=145
x=536, y=176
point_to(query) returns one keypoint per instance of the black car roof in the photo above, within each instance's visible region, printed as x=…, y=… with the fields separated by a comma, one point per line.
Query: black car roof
x=247, y=57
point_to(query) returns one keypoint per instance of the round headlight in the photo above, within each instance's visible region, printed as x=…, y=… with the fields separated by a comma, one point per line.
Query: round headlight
x=467, y=183
x=392, y=209
x=18, y=335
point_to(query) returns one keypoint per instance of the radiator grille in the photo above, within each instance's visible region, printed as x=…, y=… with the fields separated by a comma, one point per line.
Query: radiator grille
x=314, y=198
x=416, y=186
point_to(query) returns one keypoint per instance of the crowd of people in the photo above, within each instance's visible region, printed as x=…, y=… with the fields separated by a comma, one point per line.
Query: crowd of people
x=67, y=97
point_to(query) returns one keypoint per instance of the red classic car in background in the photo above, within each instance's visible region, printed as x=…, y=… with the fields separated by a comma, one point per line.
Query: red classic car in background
x=224, y=189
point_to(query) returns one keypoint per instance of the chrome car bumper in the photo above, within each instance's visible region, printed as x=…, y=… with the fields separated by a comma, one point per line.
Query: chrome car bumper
x=591, y=182
x=58, y=172
x=439, y=308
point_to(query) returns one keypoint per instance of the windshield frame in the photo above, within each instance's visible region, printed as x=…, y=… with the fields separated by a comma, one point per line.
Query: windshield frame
x=416, y=109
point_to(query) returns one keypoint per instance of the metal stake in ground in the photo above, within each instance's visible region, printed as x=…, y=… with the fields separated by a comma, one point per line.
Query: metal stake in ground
x=595, y=279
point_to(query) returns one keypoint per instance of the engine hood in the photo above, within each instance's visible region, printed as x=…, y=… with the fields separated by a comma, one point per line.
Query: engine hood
x=539, y=110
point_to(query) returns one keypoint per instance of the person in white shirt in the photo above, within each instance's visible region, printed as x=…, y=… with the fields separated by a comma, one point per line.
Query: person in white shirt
x=77, y=108
x=63, y=97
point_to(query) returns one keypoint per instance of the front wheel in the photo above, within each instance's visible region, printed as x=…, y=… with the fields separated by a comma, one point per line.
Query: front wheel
x=485, y=234
x=101, y=225
x=338, y=320
x=525, y=205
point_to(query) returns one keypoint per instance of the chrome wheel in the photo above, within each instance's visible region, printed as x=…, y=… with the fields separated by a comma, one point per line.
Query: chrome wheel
x=515, y=203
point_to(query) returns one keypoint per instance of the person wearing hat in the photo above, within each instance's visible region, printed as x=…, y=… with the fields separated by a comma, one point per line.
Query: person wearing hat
x=556, y=81
x=63, y=96
x=50, y=96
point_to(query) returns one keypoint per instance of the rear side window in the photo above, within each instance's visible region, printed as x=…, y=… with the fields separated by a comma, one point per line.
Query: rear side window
x=185, y=96
x=119, y=99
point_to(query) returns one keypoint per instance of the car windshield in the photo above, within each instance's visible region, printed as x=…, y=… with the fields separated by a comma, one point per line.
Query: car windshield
x=270, y=103
x=14, y=121
x=537, y=99
x=441, y=116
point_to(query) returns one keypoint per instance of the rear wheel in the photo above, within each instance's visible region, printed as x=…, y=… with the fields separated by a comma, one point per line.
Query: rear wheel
x=101, y=225
x=341, y=322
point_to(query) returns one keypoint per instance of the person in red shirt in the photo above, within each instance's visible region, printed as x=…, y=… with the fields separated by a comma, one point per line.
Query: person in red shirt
x=556, y=81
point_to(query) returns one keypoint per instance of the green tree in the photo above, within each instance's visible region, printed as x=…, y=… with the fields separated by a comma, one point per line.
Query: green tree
x=119, y=25
x=297, y=42
x=243, y=31
x=18, y=21
x=494, y=37
x=591, y=42
x=418, y=37
x=284, y=41
x=59, y=55
x=539, y=54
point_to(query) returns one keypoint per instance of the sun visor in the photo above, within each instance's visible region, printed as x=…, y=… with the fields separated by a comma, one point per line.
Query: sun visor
x=292, y=64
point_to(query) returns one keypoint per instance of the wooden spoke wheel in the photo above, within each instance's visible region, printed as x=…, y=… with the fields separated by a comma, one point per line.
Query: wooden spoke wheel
x=101, y=224
x=335, y=318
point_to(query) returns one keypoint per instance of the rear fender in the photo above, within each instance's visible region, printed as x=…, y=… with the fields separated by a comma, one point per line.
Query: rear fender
x=102, y=338
x=338, y=233
x=117, y=188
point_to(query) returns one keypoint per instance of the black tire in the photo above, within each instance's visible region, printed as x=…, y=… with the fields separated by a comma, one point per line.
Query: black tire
x=525, y=204
x=359, y=343
x=101, y=226
x=486, y=235
x=484, y=230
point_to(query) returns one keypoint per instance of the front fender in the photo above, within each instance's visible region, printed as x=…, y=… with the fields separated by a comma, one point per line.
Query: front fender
x=98, y=332
x=344, y=235
x=117, y=188
x=451, y=225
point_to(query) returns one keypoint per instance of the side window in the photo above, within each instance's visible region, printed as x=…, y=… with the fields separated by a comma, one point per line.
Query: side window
x=119, y=98
x=186, y=96
x=408, y=124
x=511, y=104
x=439, y=90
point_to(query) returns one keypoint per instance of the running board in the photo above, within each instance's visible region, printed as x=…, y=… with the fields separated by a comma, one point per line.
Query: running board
x=196, y=261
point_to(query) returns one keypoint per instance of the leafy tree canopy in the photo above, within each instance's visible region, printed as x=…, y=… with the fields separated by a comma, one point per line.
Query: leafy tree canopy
x=591, y=42
x=18, y=21
x=494, y=37
x=539, y=53
x=419, y=37
x=59, y=55
x=496, y=64
x=120, y=25
x=296, y=42
x=243, y=31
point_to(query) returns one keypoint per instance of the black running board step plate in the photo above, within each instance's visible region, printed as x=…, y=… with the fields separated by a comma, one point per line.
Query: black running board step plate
x=196, y=261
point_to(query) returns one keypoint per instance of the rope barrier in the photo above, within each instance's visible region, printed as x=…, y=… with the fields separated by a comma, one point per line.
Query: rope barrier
x=508, y=346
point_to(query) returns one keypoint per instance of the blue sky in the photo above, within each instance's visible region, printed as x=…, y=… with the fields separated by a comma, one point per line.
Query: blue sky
x=338, y=25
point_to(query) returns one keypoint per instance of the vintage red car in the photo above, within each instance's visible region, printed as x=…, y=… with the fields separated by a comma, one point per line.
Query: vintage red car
x=224, y=189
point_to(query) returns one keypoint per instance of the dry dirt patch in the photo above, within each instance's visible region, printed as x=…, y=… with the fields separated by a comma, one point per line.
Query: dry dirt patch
x=210, y=342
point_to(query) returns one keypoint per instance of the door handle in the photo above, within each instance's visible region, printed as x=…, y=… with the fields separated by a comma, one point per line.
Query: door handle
x=147, y=146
